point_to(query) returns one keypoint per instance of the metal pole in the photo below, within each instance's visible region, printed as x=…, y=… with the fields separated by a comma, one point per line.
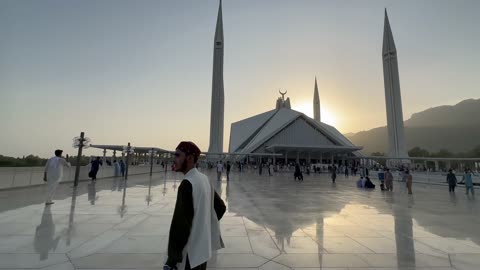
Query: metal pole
x=151, y=162
x=31, y=174
x=79, y=157
x=127, y=161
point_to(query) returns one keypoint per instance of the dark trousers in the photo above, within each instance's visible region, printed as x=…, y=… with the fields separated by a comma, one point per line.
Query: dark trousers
x=93, y=174
x=202, y=266
x=451, y=188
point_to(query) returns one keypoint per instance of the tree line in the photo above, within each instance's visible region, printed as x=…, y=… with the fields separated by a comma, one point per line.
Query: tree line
x=33, y=161
x=442, y=153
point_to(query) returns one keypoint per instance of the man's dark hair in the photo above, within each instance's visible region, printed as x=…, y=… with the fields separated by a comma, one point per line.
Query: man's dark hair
x=189, y=148
x=58, y=153
x=195, y=157
x=98, y=157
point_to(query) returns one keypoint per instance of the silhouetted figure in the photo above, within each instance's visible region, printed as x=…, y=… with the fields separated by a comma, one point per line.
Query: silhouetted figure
x=298, y=173
x=95, y=167
x=334, y=173
x=122, y=167
x=368, y=183
x=228, y=170
x=451, y=180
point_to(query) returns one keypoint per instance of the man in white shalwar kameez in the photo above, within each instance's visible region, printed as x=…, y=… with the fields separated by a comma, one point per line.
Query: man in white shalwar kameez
x=53, y=174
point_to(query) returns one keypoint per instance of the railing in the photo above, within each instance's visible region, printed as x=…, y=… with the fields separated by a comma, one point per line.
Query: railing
x=427, y=177
x=12, y=177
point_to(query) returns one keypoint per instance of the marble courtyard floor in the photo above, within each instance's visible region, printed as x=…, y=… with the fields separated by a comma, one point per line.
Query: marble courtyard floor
x=271, y=223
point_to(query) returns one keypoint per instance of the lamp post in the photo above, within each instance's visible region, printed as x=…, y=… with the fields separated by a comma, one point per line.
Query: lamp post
x=152, y=153
x=128, y=150
x=80, y=143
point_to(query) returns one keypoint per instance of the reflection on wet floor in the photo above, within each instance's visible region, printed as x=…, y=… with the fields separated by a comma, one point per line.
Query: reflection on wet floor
x=271, y=223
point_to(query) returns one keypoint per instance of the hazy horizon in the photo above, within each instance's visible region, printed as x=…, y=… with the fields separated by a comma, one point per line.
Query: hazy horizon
x=141, y=71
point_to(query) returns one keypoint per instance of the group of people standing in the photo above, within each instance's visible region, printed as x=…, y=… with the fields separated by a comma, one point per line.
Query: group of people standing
x=386, y=180
x=220, y=170
x=118, y=168
x=467, y=180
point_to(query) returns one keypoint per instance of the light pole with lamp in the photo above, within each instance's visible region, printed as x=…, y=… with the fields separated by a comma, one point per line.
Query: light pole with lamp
x=128, y=150
x=80, y=143
x=152, y=153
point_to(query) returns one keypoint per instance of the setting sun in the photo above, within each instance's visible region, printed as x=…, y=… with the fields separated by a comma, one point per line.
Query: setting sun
x=325, y=115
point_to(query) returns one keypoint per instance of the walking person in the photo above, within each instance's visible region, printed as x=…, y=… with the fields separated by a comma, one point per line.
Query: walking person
x=53, y=174
x=409, y=180
x=228, y=170
x=388, y=180
x=219, y=170
x=195, y=229
x=270, y=169
x=298, y=173
x=122, y=167
x=467, y=179
x=334, y=173
x=95, y=167
x=116, y=168
x=451, y=180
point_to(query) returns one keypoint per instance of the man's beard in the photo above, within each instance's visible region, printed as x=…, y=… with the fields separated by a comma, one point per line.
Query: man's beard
x=183, y=168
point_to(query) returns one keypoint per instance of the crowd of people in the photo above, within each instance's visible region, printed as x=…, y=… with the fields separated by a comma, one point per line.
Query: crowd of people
x=54, y=172
x=189, y=234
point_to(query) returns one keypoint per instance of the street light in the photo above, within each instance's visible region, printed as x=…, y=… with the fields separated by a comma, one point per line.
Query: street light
x=128, y=150
x=152, y=152
x=79, y=142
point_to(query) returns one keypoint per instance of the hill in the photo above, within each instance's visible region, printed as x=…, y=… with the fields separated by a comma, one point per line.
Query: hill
x=455, y=128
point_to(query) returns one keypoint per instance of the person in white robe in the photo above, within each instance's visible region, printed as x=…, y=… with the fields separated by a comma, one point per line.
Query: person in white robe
x=116, y=168
x=53, y=174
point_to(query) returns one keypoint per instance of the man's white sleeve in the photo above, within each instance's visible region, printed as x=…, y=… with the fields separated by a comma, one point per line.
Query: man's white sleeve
x=47, y=165
x=65, y=163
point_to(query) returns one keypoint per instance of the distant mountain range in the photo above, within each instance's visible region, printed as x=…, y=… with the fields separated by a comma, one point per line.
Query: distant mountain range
x=455, y=128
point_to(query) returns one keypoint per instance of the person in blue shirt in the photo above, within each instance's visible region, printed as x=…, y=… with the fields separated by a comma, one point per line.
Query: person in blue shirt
x=467, y=179
x=122, y=167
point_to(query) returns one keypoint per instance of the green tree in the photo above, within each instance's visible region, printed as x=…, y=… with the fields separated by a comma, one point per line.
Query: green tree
x=418, y=152
x=443, y=153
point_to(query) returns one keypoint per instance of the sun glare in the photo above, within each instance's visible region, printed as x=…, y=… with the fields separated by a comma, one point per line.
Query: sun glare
x=326, y=116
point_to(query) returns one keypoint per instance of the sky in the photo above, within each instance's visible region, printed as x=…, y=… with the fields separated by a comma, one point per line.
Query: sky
x=141, y=71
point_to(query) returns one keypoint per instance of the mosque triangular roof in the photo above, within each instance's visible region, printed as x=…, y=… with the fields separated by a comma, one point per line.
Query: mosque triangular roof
x=249, y=134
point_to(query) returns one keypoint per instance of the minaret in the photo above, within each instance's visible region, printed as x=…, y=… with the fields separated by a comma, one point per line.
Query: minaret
x=393, y=98
x=316, y=103
x=217, y=110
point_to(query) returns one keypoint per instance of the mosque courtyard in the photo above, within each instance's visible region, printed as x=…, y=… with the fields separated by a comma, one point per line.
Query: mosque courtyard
x=271, y=223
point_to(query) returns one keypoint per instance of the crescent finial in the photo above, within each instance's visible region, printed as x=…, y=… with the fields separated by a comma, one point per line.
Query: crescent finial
x=283, y=94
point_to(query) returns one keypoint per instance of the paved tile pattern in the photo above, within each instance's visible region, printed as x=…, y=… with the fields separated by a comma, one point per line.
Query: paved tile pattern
x=271, y=223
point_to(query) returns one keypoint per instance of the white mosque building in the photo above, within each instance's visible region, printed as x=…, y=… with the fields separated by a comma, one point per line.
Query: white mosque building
x=294, y=135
